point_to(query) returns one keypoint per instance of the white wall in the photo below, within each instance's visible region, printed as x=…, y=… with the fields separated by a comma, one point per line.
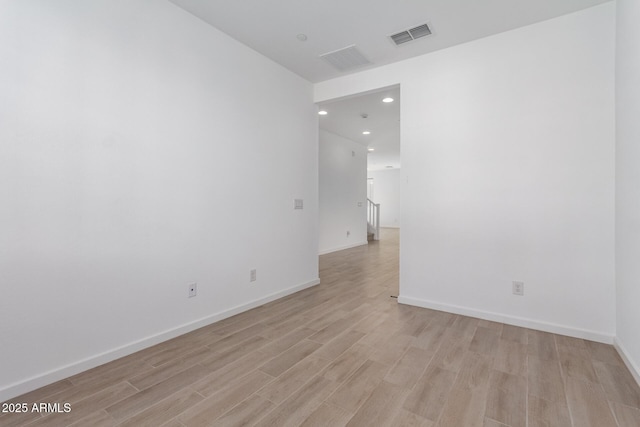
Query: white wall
x=508, y=148
x=343, y=183
x=141, y=150
x=386, y=192
x=628, y=181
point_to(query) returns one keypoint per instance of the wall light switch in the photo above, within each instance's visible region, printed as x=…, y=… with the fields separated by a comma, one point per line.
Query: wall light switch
x=298, y=204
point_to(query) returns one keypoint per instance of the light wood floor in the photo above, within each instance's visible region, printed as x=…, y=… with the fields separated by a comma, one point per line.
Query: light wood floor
x=345, y=353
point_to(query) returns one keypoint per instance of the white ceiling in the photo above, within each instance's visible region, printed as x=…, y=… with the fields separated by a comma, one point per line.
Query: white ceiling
x=270, y=27
x=345, y=119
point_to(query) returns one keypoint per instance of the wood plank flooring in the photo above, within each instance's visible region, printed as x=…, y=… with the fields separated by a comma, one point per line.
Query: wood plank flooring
x=346, y=354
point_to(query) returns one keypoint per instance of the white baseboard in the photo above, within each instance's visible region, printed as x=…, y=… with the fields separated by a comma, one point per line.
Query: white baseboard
x=511, y=320
x=624, y=354
x=63, y=372
x=342, y=248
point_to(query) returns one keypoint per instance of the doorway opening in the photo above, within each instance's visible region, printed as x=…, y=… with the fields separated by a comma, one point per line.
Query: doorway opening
x=359, y=168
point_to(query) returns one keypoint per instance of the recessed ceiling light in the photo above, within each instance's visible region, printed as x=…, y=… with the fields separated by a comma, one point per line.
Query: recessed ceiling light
x=371, y=149
x=366, y=132
x=302, y=37
x=387, y=100
x=322, y=113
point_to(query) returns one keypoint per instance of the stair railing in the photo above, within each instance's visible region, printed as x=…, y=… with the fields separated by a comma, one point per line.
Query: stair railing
x=373, y=219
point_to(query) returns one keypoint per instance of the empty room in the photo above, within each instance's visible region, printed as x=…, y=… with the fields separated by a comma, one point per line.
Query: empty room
x=186, y=241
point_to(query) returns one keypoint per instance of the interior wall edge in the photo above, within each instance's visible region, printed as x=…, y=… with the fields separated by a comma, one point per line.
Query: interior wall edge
x=41, y=380
x=626, y=358
x=538, y=325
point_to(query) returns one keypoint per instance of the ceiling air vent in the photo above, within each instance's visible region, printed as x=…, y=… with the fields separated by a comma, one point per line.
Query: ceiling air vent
x=346, y=58
x=412, y=34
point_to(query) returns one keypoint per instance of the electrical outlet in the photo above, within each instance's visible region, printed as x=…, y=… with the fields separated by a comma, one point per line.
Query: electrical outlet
x=253, y=276
x=193, y=290
x=518, y=288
